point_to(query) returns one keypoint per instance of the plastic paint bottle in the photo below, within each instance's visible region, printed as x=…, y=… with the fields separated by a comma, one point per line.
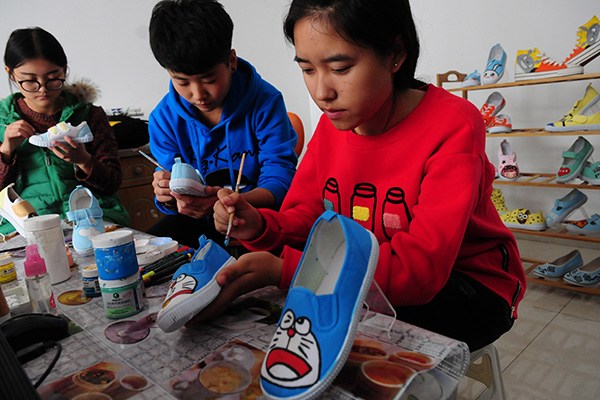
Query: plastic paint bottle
x=38, y=283
x=115, y=255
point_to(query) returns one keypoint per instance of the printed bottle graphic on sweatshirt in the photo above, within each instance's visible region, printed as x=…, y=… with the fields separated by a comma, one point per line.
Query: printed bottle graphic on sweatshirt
x=331, y=196
x=395, y=214
x=363, y=204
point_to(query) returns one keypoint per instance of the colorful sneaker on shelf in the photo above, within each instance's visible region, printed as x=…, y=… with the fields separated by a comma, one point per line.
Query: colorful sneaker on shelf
x=591, y=98
x=187, y=180
x=492, y=106
x=86, y=215
x=495, y=66
x=322, y=310
x=498, y=201
x=194, y=285
x=591, y=173
x=508, y=169
x=560, y=266
x=564, y=206
x=587, y=275
x=574, y=160
x=473, y=79
x=588, y=227
x=500, y=124
x=57, y=133
x=588, y=43
x=533, y=64
x=522, y=218
x=14, y=209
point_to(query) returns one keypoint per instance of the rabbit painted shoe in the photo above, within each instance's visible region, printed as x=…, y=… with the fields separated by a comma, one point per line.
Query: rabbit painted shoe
x=560, y=266
x=14, y=209
x=322, y=310
x=564, y=206
x=587, y=275
x=57, y=133
x=495, y=65
x=86, y=215
x=508, y=169
x=187, y=180
x=194, y=285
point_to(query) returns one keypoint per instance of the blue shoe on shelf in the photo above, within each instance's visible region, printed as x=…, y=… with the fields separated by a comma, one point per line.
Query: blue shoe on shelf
x=560, y=266
x=563, y=207
x=194, y=285
x=322, y=310
x=473, y=79
x=587, y=275
x=57, y=133
x=187, y=180
x=86, y=215
x=589, y=226
x=495, y=66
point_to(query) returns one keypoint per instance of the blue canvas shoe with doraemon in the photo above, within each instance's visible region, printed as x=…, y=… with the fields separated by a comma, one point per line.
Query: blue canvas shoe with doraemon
x=86, y=215
x=322, y=309
x=194, y=285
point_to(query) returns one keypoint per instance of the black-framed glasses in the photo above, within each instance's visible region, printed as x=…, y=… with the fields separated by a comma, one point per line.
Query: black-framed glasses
x=33, y=85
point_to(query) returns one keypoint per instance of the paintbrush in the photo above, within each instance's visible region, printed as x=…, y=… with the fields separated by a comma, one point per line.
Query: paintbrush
x=237, y=190
x=152, y=160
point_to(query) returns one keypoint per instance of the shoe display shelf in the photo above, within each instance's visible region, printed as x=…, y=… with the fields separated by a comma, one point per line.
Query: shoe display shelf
x=534, y=179
x=529, y=264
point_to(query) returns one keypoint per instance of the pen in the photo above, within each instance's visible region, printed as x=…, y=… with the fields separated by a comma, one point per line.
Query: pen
x=237, y=190
x=164, y=261
x=152, y=160
x=166, y=269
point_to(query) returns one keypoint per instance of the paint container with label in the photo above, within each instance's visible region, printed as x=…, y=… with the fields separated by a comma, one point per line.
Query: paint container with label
x=8, y=273
x=115, y=255
x=89, y=278
x=122, y=297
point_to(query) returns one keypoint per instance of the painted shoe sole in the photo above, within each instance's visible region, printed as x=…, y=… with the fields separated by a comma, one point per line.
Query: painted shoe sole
x=189, y=187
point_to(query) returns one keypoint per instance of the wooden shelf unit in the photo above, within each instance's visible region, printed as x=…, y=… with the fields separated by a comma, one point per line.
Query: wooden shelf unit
x=529, y=82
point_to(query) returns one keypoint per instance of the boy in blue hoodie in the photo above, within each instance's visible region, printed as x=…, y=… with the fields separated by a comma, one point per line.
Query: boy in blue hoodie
x=218, y=108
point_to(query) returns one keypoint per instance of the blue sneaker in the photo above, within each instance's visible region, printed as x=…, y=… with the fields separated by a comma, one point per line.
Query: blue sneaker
x=589, y=226
x=322, y=310
x=86, y=215
x=563, y=207
x=194, y=285
x=187, y=180
x=495, y=66
x=587, y=275
x=560, y=266
x=57, y=133
x=473, y=79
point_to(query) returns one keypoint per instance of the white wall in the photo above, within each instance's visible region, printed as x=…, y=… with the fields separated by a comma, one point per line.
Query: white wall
x=107, y=42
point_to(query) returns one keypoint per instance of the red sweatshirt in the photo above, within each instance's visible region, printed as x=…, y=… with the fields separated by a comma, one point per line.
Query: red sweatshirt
x=423, y=188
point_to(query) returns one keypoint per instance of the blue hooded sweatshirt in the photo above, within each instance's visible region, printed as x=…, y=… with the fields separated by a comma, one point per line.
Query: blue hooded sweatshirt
x=254, y=121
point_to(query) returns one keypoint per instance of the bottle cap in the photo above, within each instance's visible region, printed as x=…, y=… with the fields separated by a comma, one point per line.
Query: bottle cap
x=89, y=271
x=34, y=263
x=41, y=222
x=5, y=259
x=112, y=239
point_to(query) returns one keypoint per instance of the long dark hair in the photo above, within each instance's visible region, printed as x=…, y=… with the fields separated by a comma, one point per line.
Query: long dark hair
x=375, y=24
x=31, y=43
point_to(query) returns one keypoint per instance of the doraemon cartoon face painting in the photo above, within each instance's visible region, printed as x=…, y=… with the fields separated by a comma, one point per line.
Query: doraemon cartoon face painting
x=294, y=357
x=183, y=284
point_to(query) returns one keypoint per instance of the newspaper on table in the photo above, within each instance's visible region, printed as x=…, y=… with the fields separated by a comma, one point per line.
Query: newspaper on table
x=389, y=358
